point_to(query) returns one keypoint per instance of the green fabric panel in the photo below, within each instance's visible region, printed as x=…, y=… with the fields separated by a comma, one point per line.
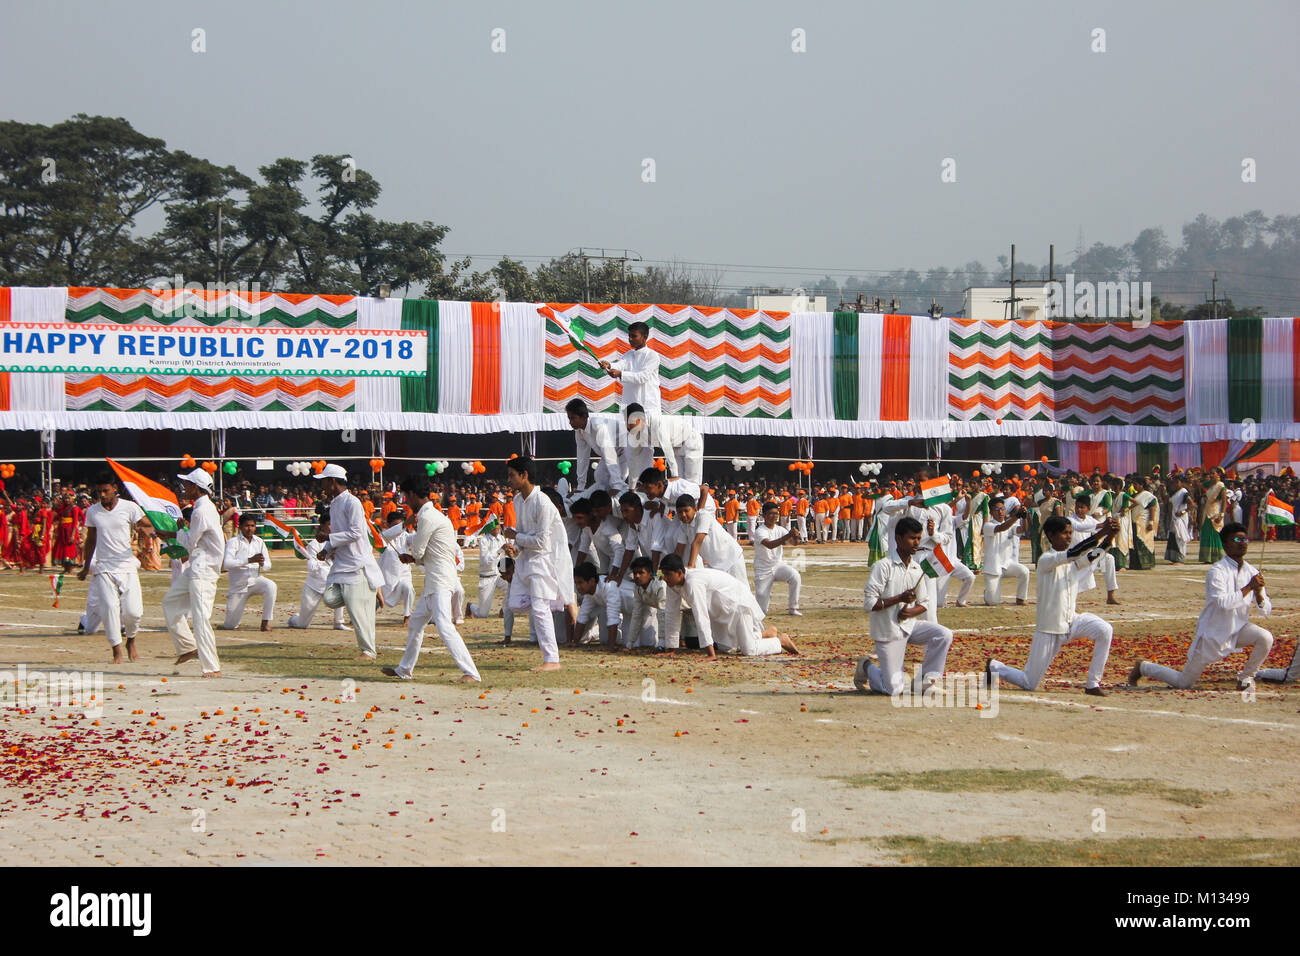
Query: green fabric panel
x=1150, y=454
x=1245, y=369
x=844, y=384
x=421, y=394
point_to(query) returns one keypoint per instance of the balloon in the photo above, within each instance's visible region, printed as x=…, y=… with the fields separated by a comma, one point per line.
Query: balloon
x=467, y=467
x=210, y=467
x=1025, y=467
x=975, y=473
x=188, y=462
x=430, y=468
x=1043, y=459
x=659, y=463
x=565, y=467
x=7, y=471
x=230, y=467
x=376, y=464
x=1033, y=472
x=792, y=467
x=999, y=421
x=864, y=468
x=318, y=466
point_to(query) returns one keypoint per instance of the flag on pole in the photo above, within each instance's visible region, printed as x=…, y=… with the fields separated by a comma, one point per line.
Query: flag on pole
x=56, y=586
x=286, y=533
x=486, y=526
x=1278, y=511
x=380, y=542
x=574, y=330
x=936, y=564
x=938, y=491
x=158, y=503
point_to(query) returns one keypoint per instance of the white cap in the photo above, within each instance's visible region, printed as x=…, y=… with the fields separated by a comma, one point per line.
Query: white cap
x=198, y=477
x=333, y=471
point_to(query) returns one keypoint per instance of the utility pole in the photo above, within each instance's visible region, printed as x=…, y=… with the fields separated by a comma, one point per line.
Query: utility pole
x=221, y=269
x=623, y=257
x=1214, y=299
x=1011, y=310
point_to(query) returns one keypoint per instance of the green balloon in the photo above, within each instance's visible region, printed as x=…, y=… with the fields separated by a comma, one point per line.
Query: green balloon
x=230, y=467
x=430, y=468
x=565, y=467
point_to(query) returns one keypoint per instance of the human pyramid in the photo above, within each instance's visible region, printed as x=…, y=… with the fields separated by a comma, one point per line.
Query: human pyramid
x=634, y=556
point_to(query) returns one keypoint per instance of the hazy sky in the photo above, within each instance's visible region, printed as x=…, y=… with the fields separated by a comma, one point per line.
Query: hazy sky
x=827, y=159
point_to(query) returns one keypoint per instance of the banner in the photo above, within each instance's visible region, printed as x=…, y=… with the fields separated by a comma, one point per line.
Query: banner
x=190, y=350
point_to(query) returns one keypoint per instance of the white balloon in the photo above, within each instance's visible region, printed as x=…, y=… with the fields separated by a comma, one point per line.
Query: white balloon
x=467, y=467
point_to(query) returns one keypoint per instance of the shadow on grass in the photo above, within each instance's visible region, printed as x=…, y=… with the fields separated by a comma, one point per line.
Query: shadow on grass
x=987, y=780
x=1134, y=851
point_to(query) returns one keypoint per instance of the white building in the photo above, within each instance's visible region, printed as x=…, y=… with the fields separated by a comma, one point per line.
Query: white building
x=990, y=302
x=786, y=303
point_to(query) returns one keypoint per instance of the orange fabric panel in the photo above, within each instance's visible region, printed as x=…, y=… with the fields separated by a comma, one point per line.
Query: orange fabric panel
x=485, y=394
x=1092, y=454
x=1213, y=453
x=4, y=376
x=895, y=368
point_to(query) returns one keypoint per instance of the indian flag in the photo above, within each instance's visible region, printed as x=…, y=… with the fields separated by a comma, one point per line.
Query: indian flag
x=936, y=564
x=1278, y=511
x=936, y=492
x=157, y=502
x=289, y=534
x=574, y=330
x=485, y=526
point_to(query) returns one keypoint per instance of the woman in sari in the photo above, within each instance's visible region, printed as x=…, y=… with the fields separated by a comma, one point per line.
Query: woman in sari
x=1119, y=510
x=1144, y=510
x=1212, y=512
x=1046, y=504
x=229, y=518
x=961, y=519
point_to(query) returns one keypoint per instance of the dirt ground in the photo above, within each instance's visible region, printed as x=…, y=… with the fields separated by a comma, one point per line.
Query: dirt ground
x=300, y=754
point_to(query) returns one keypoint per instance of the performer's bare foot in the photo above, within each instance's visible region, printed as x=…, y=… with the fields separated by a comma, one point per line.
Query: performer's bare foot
x=389, y=672
x=365, y=656
x=187, y=657
x=787, y=645
x=212, y=673
x=130, y=649
x=1094, y=691
x=548, y=666
x=117, y=654
x=1135, y=674
x=406, y=621
x=1021, y=602
x=1110, y=598
x=963, y=603
x=266, y=625
x=468, y=679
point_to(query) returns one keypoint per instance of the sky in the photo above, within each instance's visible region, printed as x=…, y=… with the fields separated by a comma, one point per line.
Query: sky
x=826, y=159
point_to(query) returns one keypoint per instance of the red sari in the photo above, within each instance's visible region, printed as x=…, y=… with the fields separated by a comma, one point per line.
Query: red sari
x=32, y=550
x=17, y=532
x=67, y=522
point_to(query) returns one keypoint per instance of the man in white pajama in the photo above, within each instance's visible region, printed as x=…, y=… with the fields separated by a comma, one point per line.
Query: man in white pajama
x=599, y=437
x=313, y=588
x=601, y=607
x=726, y=614
x=647, y=626
x=490, y=544
x=543, y=580
x=399, y=587
x=769, y=540
x=352, y=565
x=111, y=564
x=1002, y=554
x=187, y=605
x=896, y=594
x=1233, y=588
x=682, y=445
x=1061, y=573
x=1085, y=525
x=433, y=545
x=699, y=538
x=245, y=559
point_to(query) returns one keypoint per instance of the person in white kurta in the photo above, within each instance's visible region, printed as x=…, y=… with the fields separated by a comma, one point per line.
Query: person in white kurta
x=313, y=588
x=1061, y=572
x=637, y=370
x=543, y=580
x=1002, y=554
x=245, y=560
x=646, y=625
x=596, y=435
x=1084, y=525
x=1233, y=589
x=1180, y=523
x=490, y=544
x=352, y=564
x=937, y=530
x=682, y=445
x=896, y=595
x=399, y=586
x=661, y=493
x=726, y=614
x=113, y=568
x=433, y=545
x=600, y=607
x=187, y=605
x=769, y=540
x=700, y=541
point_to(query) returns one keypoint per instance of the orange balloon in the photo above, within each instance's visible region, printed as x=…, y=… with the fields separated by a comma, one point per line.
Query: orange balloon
x=999, y=421
x=1043, y=459
x=188, y=462
x=209, y=466
x=1024, y=467
x=1034, y=472
x=975, y=473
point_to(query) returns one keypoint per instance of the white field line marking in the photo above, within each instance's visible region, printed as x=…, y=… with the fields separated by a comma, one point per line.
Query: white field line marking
x=1154, y=713
x=662, y=700
x=52, y=627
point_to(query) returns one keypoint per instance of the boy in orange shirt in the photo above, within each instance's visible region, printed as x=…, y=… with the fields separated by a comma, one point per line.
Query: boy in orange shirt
x=752, y=508
x=731, y=513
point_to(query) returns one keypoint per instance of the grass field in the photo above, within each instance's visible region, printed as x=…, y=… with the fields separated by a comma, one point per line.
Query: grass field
x=302, y=754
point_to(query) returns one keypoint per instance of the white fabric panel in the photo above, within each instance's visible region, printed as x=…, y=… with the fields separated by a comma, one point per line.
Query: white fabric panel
x=1121, y=457
x=1206, y=365
x=812, y=349
x=1185, y=455
x=37, y=391
x=1069, y=452
x=375, y=394
x=455, y=357
x=871, y=344
x=1279, y=371
x=927, y=387
x=523, y=358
